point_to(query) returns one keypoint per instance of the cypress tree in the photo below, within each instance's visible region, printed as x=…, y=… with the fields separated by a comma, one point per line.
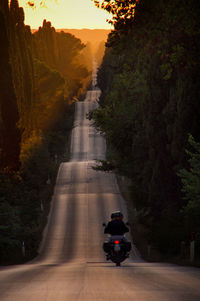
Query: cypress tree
x=10, y=134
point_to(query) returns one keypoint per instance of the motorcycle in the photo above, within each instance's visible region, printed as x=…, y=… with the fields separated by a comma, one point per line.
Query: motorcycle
x=117, y=248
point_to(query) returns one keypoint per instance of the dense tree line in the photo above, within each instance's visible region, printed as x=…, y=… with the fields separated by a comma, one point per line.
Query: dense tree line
x=149, y=105
x=9, y=116
x=64, y=52
x=100, y=53
x=40, y=74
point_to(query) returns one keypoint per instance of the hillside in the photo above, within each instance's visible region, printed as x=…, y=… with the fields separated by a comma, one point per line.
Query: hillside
x=94, y=36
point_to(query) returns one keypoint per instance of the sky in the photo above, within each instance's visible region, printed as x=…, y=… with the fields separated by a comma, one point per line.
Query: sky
x=66, y=14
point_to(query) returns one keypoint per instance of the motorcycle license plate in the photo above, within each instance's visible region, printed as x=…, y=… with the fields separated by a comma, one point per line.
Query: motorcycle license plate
x=117, y=248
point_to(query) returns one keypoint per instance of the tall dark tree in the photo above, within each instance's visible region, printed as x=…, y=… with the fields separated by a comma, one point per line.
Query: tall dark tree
x=60, y=51
x=150, y=102
x=9, y=117
x=22, y=66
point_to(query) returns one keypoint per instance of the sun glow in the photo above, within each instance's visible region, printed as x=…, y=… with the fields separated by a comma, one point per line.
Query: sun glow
x=65, y=14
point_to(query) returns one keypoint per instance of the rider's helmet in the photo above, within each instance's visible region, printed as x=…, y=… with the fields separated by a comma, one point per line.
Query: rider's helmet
x=116, y=214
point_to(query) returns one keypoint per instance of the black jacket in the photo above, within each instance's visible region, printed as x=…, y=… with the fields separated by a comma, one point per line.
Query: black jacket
x=116, y=227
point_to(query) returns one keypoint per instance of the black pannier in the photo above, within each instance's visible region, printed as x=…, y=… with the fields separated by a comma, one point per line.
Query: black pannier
x=106, y=247
x=128, y=246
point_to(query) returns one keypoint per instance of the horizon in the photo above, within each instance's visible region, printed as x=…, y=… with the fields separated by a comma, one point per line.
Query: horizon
x=73, y=28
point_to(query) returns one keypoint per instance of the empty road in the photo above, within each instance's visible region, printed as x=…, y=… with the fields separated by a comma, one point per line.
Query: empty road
x=71, y=265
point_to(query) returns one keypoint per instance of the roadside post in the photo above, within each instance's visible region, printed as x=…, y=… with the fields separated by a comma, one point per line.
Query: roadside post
x=41, y=206
x=149, y=250
x=192, y=247
x=48, y=180
x=23, y=249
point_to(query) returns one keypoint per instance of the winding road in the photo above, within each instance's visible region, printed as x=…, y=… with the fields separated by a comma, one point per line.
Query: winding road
x=71, y=265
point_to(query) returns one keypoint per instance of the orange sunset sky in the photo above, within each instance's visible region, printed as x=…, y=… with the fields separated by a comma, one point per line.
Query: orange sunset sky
x=66, y=14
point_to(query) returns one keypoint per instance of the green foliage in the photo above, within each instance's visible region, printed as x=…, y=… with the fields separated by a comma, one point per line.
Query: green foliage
x=9, y=115
x=104, y=166
x=190, y=179
x=21, y=194
x=65, y=53
x=150, y=102
x=40, y=74
x=10, y=225
x=122, y=11
x=100, y=53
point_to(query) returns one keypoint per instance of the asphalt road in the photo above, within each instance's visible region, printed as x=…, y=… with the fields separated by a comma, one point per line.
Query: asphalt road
x=71, y=265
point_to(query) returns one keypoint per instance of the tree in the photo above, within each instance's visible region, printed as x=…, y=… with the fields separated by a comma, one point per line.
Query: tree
x=9, y=117
x=61, y=51
x=122, y=11
x=149, y=103
x=190, y=179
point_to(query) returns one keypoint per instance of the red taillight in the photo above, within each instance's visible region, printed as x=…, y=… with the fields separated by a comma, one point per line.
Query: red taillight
x=116, y=242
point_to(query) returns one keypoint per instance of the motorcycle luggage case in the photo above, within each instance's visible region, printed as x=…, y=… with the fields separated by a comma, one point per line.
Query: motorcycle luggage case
x=106, y=247
x=128, y=246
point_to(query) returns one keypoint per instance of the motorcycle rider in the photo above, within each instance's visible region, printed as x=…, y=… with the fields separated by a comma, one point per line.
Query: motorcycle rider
x=116, y=226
